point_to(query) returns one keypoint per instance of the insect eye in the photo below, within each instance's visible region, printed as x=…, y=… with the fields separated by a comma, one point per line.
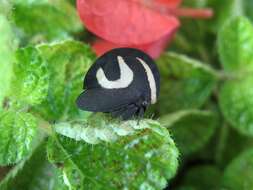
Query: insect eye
x=145, y=103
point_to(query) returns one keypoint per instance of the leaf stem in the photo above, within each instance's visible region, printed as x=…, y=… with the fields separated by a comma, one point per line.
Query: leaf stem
x=45, y=127
x=225, y=76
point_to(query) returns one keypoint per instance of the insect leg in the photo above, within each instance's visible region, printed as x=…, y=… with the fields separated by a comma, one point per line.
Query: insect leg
x=141, y=112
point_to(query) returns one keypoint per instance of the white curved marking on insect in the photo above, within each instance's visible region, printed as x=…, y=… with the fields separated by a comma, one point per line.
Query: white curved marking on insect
x=126, y=76
x=151, y=80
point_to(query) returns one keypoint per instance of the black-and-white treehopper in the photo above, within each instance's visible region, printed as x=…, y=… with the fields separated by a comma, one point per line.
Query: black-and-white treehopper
x=122, y=82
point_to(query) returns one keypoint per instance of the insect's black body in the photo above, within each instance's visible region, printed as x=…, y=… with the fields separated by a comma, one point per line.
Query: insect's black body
x=123, y=82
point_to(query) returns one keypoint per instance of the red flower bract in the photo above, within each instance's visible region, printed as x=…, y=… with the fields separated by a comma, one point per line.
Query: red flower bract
x=127, y=22
x=169, y=3
x=153, y=49
x=147, y=25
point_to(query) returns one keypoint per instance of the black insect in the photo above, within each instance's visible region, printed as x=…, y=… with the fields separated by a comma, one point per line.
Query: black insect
x=123, y=82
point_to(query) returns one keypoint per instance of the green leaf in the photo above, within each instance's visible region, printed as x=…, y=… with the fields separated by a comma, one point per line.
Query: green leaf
x=235, y=47
x=144, y=159
x=95, y=129
x=248, y=4
x=99, y=127
x=225, y=10
x=191, y=129
x=7, y=47
x=185, y=83
x=235, y=43
x=17, y=132
x=206, y=177
x=5, y=7
x=33, y=173
x=31, y=78
x=45, y=20
x=239, y=143
x=237, y=104
x=239, y=173
x=68, y=63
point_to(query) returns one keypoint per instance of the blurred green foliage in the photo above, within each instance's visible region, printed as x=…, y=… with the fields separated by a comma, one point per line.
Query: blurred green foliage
x=200, y=137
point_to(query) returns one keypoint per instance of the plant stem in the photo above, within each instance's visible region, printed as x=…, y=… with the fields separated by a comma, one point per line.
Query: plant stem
x=179, y=12
x=192, y=13
x=45, y=127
